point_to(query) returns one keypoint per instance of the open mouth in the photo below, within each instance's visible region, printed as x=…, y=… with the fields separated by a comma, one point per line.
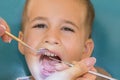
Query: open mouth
x=50, y=55
x=48, y=61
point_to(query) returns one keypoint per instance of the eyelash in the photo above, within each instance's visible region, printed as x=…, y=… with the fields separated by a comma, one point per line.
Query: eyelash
x=68, y=29
x=39, y=26
x=44, y=25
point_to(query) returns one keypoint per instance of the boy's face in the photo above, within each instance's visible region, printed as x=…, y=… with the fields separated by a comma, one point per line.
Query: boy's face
x=58, y=25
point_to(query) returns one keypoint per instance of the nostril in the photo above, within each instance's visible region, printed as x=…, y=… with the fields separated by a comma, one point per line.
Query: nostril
x=51, y=42
x=55, y=42
x=46, y=41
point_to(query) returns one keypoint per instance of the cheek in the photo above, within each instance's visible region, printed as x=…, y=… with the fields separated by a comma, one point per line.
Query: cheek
x=32, y=39
x=74, y=48
x=33, y=42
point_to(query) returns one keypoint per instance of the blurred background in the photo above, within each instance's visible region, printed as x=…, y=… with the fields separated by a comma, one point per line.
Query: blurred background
x=106, y=36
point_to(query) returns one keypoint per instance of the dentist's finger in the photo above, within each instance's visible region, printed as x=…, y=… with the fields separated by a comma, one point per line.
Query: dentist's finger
x=72, y=73
x=88, y=76
x=80, y=68
x=2, y=30
x=4, y=27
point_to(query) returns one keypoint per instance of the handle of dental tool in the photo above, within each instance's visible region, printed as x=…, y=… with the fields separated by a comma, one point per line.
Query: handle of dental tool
x=95, y=73
x=101, y=75
x=17, y=39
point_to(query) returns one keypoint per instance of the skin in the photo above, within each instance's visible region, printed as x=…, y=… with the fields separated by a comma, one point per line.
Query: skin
x=62, y=30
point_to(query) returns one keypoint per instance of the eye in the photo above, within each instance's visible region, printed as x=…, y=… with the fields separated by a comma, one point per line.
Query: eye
x=40, y=25
x=68, y=29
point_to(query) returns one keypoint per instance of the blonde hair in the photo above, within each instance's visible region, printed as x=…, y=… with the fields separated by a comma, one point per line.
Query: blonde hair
x=89, y=17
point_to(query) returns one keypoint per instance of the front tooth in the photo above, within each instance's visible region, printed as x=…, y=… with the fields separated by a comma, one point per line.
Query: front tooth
x=52, y=54
x=45, y=53
x=48, y=54
x=55, y=55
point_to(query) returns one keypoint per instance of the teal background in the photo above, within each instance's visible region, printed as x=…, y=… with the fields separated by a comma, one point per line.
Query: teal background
x=12, y=63
x=106, y=36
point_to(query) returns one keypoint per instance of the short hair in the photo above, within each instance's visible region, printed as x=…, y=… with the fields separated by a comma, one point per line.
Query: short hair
x=24, y=15
x=89, y=17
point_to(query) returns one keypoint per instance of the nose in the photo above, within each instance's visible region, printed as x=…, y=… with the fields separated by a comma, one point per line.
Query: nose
x=52, y=38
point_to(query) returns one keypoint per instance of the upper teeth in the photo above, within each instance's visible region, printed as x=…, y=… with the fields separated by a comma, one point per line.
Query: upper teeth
x=49, y=54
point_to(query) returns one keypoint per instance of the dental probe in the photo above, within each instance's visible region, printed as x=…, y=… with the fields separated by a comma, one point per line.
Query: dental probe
x=92, y=72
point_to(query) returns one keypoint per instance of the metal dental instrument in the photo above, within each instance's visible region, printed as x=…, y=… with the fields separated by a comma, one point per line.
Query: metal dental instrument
x=40, y=51
x=92, y=72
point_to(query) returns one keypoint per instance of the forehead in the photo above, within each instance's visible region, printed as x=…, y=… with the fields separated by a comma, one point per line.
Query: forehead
x=68, y=9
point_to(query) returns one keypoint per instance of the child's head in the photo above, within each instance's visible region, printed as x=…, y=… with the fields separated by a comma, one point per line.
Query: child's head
x=62, y=26
x=89, y=15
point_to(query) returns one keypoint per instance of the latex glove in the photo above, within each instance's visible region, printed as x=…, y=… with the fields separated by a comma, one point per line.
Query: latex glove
x=78, y=72
x=3, y=27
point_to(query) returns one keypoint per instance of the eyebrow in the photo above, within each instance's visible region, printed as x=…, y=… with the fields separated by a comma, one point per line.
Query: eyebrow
x=39, y=18
x=72, y=23
x=65, y=21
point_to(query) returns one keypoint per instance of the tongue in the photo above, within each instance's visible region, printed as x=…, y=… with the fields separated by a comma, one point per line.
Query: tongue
x=48, y=66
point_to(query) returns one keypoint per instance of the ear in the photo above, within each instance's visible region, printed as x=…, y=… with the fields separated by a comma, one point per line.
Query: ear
x=20, y=46
x=88, y=48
